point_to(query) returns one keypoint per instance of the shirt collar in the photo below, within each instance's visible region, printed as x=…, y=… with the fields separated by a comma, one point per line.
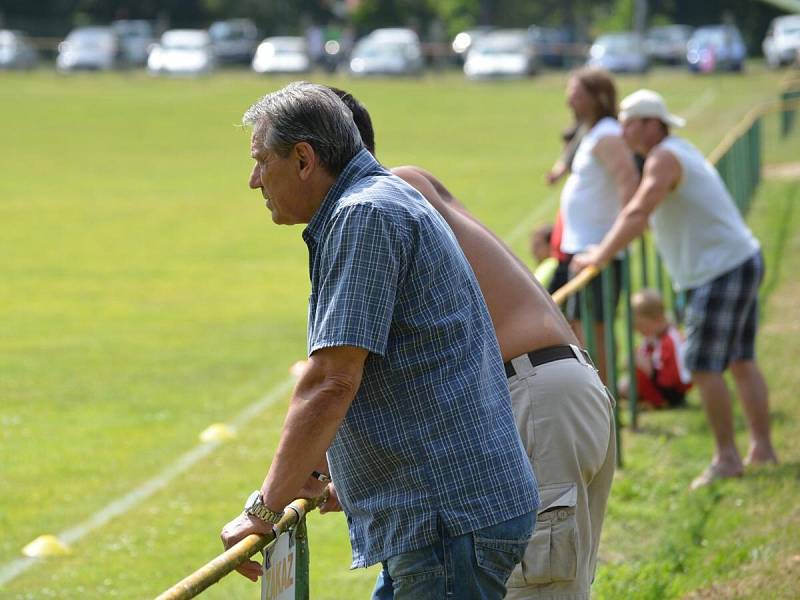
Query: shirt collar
x=361, y=165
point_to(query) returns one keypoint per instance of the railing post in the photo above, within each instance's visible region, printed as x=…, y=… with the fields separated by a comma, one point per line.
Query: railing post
x=587, y=300
x=643, y=266
x=607, y=285
x=659, y=273
x=633, y=392
x=301, y=585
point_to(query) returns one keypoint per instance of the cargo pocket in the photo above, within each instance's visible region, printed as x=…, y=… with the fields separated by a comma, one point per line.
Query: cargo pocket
x=551, y=554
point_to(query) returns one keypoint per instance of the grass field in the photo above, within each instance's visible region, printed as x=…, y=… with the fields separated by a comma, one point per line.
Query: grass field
x=145, y=295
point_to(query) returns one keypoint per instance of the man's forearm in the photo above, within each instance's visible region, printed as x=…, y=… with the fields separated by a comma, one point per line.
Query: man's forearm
x=629, y=225
x=310, y=426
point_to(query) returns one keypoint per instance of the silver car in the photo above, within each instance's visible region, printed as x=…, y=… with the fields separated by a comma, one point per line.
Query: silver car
x=94, y=48
x=135, y=39
x=667, y=44
x=16, y=51
x=234, y=41
x=392, y=51
x=782, y=41
x=622, y=52
x=502, y=53
x=282, y=55
x=182, y=52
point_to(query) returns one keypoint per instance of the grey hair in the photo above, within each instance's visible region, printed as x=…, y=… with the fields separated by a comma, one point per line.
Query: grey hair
x=306, y=112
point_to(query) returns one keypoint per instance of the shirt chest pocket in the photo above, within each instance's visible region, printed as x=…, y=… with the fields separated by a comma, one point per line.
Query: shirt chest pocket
x=551, y=554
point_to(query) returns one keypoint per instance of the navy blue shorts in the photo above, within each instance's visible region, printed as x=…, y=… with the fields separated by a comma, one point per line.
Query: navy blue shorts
x=722, y=318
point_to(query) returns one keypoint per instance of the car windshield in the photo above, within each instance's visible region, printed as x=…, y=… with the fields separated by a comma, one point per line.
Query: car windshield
x=501, y=44
x=667, y=34
x=709, y=37
x=133, y=29
x=617, y=44
x=91, y=37
x=790, y=28
x=183, y=41
x=378, y=50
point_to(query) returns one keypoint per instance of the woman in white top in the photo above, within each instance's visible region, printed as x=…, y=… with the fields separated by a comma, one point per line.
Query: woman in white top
x=603, y=178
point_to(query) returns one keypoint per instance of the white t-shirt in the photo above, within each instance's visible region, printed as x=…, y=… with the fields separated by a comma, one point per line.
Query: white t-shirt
x=590, y=200
x=698, y=228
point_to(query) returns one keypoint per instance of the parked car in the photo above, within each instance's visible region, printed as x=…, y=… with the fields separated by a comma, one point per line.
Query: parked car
x=182, y=51
x=88, y=48
x=716, y=48
x=502, y=53
x=16, y=50
x=554, y=47
x=282, y=55
x=234, y=41
x=667, y=44
x=135, y=39
x=464, y=40
x=622, y=52
x=782, y=41
x=392, y=51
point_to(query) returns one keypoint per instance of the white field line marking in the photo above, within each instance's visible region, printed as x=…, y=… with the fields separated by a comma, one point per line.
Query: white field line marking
x=523, y=227
x=699, y=105
x=123, y=504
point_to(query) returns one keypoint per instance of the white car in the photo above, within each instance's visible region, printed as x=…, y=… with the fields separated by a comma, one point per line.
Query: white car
x=88, y=48
x=502, y=53
x=622, y=52
x=782, y=41
x=392, y=51
x=16, y=51
x=282, y=55
x=182, y=52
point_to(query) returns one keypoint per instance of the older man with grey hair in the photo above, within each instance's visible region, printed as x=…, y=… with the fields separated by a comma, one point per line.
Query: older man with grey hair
x=405, y=387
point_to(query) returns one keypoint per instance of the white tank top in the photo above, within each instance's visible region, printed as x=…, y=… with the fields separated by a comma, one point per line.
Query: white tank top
x=590, y=200
x=698, y=228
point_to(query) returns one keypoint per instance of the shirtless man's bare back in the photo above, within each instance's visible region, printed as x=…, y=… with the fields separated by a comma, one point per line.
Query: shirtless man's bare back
x=557, y=398
x=524, y=316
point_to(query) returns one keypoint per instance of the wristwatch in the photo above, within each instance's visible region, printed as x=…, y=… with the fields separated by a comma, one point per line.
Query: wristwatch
x=255, y=507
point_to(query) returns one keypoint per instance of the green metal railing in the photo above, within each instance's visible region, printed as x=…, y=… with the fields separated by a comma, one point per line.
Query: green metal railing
x=738, y=158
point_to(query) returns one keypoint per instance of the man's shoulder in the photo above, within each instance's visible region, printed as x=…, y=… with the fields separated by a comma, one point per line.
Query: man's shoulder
x=382, y=194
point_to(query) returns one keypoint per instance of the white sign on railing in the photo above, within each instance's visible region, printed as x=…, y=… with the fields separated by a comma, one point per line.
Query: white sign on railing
x=278, y=574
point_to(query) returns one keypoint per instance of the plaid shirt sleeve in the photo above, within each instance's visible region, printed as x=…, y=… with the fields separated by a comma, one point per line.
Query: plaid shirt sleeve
x=356, y=281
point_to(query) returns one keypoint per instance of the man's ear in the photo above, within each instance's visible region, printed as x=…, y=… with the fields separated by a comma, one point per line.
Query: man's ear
x=306, y=159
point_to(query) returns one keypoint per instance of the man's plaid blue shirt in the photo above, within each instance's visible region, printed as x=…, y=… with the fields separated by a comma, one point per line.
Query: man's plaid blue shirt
x=430, y=439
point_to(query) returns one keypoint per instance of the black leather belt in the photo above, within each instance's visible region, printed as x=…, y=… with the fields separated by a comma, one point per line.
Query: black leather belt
x=549, y=354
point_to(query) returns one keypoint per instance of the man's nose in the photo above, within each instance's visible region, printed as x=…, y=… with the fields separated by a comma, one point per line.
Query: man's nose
x=255, y=179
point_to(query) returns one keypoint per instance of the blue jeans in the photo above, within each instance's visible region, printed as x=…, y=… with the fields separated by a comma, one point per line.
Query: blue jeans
x=474, y=565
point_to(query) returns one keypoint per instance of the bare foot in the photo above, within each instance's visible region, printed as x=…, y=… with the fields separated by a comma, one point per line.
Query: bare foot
x=757, y=457
x=713, y=472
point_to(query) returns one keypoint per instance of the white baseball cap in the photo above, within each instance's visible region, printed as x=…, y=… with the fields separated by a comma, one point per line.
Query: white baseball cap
x=647, y=104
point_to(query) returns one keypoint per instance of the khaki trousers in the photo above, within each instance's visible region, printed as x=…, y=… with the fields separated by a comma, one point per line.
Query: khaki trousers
x=565, y=417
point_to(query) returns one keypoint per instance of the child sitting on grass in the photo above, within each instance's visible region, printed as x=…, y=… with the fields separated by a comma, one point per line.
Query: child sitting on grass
x=662, y=379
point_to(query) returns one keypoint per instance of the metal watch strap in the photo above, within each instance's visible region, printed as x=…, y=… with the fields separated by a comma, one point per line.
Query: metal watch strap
x=255, y=507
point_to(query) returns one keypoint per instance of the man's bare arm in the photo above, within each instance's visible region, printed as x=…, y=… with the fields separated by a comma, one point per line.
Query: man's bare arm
x=318, y=405
x=615, y=156
x=662, y=172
